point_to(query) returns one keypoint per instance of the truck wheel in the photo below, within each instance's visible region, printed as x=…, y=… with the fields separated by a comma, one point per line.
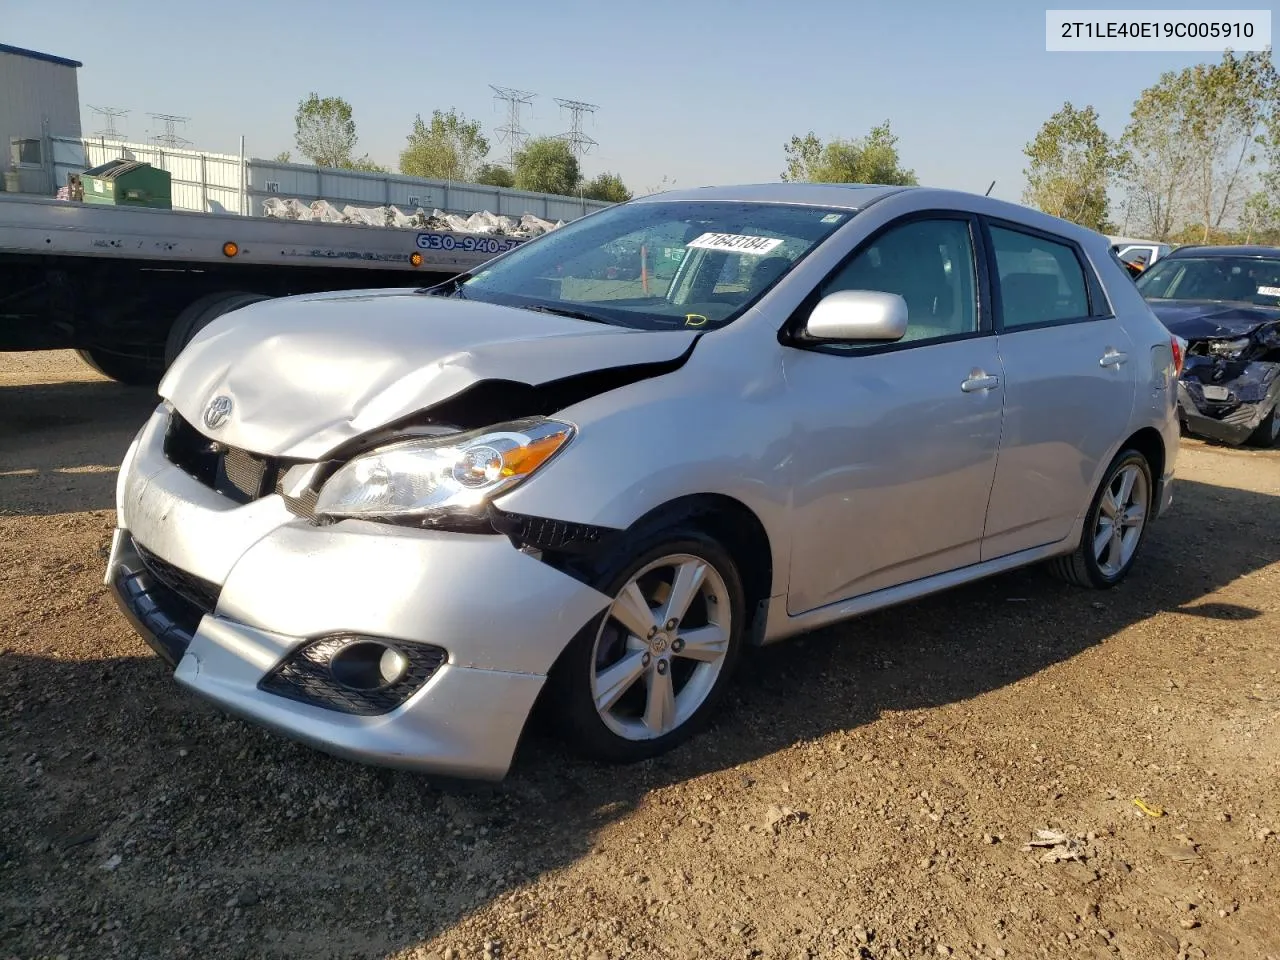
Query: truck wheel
x=199, y=314
x=131, y=371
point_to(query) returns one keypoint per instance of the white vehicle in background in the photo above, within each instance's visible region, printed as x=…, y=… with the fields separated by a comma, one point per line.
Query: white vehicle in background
x=1136, y=254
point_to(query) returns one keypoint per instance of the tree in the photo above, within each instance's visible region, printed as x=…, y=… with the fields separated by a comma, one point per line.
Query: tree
x=326, y=132
x=1071, y=163
x=365, y=165
x=870, y=159
x=1230, y=103
x=1193, y=141
x=283, y=157
x=608, y=187
x=492, y=175
x=449, y=148
x=1157, y=160
x=547, y=165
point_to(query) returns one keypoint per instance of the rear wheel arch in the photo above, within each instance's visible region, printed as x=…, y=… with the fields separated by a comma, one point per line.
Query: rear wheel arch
x=1150, y=444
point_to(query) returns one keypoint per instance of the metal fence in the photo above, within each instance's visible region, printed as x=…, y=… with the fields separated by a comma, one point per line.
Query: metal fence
x=228, y=183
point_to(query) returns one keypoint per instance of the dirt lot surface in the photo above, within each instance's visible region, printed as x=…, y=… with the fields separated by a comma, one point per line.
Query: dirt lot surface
x=868, y=791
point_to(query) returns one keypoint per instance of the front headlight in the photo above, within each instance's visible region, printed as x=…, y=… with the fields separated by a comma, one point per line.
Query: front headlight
x=457, y=473
x=1229, y=348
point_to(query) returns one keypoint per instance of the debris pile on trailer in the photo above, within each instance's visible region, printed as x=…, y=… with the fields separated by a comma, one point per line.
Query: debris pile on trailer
x=393, y=216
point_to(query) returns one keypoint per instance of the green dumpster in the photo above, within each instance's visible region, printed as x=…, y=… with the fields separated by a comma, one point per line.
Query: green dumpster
x=128, y=183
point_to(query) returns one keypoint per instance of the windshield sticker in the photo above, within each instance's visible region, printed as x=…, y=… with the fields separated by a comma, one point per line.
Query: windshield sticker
x=735, y=243
x=833, y=218
x=1269, y=291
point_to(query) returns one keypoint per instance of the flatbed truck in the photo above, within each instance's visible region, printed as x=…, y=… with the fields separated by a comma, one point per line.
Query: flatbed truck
x=128, y=287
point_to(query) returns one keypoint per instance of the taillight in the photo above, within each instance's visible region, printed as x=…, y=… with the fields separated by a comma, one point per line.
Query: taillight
x=1176, y=345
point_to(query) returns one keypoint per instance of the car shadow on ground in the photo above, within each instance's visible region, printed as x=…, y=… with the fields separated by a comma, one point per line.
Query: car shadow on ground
x=234, y=842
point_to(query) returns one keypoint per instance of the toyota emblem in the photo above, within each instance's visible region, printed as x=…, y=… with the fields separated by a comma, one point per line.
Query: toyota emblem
x=217, y=412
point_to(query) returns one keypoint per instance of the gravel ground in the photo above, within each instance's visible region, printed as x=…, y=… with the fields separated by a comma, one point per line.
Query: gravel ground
x=869, y=791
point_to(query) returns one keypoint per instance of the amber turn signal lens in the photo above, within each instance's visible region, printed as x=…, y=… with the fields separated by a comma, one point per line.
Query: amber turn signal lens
x=415, y=259
x=230, y=248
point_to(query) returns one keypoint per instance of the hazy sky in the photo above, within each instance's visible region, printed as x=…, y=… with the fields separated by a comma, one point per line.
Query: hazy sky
x=698, y=91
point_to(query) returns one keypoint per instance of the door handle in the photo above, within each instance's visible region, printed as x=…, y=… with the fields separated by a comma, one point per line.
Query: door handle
x=1112, y=358
x=979, y=382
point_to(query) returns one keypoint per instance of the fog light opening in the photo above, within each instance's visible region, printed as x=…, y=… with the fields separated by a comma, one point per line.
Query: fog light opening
x=368, y=665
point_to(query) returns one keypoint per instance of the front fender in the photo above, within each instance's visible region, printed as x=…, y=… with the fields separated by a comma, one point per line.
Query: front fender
x=708, y=428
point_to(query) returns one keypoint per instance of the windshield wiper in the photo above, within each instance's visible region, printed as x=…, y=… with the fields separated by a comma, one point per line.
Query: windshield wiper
x=450, y=287
x=564, y=312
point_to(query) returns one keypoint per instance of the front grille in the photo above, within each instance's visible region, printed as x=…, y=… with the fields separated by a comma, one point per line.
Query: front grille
x=245, y=472
x=197, y=591
x=164, y=618
x=305, y=676
x=239, y=475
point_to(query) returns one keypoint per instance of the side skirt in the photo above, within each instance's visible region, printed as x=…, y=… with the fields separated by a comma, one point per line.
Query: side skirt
x=780, y=625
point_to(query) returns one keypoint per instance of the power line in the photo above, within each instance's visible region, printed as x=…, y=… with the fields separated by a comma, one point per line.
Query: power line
x=170, y=136
x=108, y=130
x=577, y=139
x=511, y=132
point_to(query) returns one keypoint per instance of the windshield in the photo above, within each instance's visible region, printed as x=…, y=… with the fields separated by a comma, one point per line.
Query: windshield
x=657, y=265
x=1253, y=280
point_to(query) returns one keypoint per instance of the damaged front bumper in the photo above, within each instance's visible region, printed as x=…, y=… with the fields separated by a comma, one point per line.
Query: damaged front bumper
x=1227, y=409
x=256, y=609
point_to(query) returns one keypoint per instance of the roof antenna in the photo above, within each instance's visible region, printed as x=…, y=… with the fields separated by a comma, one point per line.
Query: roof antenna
x=988, y=193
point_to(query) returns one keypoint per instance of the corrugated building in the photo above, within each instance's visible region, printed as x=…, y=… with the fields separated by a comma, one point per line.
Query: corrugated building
x=38, y=96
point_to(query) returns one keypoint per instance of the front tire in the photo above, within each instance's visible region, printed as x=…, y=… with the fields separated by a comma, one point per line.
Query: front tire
x=1114, y=527
x=1267, y=435
x=648, y=673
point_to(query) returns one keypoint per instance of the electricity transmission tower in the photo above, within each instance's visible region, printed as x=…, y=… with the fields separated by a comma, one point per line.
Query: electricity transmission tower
x=577, y=139
x=170, y=136
x=511, y=132
x=108, y=130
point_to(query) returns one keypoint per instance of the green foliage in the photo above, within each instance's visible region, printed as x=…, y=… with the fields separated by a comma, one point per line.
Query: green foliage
x=1194, y=141
x=493, y=175
x=283, y=157
x=608, y=187
x=1071, y=163
x=326, y=132
x=547, y=165
x=1261, y=217
x=366, y=165
x=449, y=148
x=870, y=159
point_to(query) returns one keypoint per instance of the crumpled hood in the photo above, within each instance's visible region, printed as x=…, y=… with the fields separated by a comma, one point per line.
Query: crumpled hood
x=306, y=374
x=1210, y=320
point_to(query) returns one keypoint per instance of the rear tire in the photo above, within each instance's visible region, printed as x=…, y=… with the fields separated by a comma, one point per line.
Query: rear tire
x=1267, y=435
x=623, y=692
x=1125, y=500
x=131, y=371
x=199, y=314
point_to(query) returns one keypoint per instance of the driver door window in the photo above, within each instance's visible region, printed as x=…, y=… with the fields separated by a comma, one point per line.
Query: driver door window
x=930, y=264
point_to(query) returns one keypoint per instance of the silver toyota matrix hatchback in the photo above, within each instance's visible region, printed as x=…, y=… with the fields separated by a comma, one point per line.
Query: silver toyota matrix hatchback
x=386, y=522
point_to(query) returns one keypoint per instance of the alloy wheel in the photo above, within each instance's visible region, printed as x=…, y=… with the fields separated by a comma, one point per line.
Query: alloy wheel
x=661, y=647
x=1122, y=514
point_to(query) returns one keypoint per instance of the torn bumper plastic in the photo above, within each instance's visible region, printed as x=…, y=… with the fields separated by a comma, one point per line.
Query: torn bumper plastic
x=233, y=595
x=1229, y=410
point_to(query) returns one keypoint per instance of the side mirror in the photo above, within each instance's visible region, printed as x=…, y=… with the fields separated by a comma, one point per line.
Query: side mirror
x=858, y=315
